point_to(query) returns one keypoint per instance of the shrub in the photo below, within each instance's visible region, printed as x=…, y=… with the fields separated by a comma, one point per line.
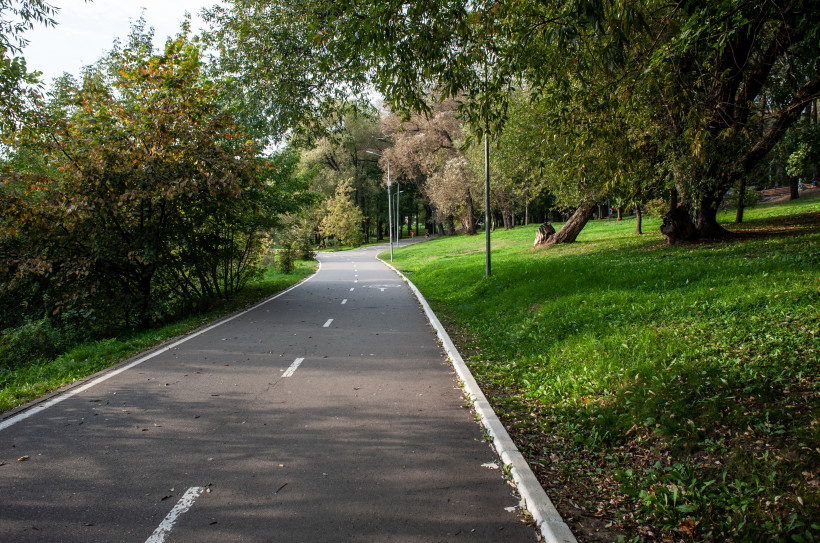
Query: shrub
x=285, y=258
x=32, y=341
x=655, y=208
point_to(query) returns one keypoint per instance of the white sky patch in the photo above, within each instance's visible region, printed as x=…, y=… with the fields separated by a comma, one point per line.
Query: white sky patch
x=86, y=30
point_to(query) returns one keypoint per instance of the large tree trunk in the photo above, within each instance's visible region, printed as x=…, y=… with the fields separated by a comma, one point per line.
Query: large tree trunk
x=469, y=215
x=506, y=216
x=794, y=188
x=570, y=230
x=451, y=226
x=545, y=231
x=678, y=224
x=741, y=195
x=706, y=218
x=638, y=220
x=620, y=213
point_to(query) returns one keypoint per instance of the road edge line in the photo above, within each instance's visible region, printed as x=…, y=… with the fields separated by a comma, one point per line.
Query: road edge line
x=65, y=392
x=549, y=521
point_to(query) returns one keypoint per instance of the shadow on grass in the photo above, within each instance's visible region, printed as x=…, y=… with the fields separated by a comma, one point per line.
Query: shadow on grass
x=662, y=390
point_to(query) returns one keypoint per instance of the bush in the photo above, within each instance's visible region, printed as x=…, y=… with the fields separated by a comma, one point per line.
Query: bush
x=32, y=341
x=655, y=208
x=285, y=259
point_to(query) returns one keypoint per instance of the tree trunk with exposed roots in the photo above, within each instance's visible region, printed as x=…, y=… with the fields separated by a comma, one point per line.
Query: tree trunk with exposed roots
x=570, y=230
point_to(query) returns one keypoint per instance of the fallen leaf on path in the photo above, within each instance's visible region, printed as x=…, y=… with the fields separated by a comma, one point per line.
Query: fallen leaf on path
x=22, y=459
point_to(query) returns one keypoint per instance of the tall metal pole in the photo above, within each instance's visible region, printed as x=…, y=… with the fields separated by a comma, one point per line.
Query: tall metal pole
x=487, y=201
x=398, y=215
x=389, y=212
x=389, y=203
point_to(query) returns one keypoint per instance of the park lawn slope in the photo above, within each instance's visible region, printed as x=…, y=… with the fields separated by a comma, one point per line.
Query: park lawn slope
x=659, y=393
x=29, y=380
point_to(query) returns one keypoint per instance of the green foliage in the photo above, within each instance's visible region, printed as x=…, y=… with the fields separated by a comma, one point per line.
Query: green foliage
x=32, y=342
x=282, y=81
x=656, y=207
x=152, y=198
x=342, y=219
x=16, y=82
x=798, y=161
x=750, y=198
x=285, y=259
x=679, y=382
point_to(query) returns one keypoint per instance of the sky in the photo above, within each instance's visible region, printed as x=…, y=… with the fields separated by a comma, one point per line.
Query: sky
x=86, y=30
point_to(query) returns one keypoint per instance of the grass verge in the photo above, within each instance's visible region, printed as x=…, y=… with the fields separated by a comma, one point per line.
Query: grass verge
x=27, y=382
x=659, y=393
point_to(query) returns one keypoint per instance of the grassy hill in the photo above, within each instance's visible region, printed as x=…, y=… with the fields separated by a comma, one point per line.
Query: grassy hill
x=659, y=393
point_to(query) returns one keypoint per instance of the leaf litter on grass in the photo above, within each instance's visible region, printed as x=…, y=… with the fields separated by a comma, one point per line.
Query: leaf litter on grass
x=659, y=393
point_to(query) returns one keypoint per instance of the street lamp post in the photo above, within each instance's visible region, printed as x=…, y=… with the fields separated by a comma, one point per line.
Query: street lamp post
x=399, y=219
x=389, y=204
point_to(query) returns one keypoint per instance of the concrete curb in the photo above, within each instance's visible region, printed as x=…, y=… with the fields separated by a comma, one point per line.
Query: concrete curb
x=549, y=521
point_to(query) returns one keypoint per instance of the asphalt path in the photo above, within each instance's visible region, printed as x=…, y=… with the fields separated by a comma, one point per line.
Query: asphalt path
x=328, y=414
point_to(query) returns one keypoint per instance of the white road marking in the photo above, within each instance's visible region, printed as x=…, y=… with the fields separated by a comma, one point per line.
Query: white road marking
x=344, y=301
x=292, y=368
x=179, y=509
x=381, y=289
x=74, y=391
x=327, y=324
x=351, y=289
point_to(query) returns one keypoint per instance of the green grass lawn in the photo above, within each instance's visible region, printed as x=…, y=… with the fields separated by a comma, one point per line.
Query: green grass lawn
x=27, y=382
x=659, y=393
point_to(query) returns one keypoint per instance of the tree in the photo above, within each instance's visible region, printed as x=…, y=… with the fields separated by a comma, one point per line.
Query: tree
x=451, y=188
x=281, y=80
x=151, y=197
x=725, y=81
x=422, y=145
x=17, y=16
x=342, y=219
x=340, y=156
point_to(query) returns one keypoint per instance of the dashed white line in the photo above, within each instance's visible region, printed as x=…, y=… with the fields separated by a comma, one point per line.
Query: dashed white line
x=344, y=301
x=292, y=367
x=74, y=391
x=327, y=324
x=179, y=509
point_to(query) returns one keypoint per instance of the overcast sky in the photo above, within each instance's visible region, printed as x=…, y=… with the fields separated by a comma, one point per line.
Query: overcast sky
x=85, y=31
